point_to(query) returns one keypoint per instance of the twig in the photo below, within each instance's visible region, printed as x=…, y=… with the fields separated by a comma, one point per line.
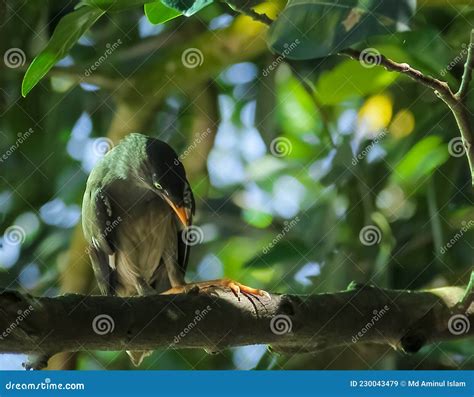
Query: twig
x=456, y=102
x=245, y=7
x=437, y=85
x=467, y=74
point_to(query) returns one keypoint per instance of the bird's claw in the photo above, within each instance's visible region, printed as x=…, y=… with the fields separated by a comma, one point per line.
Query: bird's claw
x=237, y=289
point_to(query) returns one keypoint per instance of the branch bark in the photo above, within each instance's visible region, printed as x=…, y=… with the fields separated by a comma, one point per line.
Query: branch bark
x=405, y=320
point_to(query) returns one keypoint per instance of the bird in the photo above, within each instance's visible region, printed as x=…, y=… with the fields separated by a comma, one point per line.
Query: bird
x=137, y=207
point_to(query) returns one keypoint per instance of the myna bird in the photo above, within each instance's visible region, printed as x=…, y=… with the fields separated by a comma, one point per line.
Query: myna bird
x=136, y=208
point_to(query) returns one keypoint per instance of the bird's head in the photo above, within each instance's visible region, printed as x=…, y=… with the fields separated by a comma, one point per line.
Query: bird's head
x=168, y=179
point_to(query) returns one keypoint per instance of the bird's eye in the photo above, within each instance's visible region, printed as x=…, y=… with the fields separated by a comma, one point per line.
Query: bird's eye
x=158, y=186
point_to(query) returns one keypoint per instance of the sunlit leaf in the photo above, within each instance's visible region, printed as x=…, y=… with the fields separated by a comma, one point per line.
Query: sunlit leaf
x=324, y=27
x=157, y=12
x=295, y=109
x=350, y=79
x=423, y=158
x=187, y=7
x=113, y=5
x=70, y=28
x=257, y=218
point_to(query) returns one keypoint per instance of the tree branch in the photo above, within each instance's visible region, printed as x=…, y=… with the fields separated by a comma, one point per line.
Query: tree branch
x=456, y=102
x=467, y=74
x=246, y=7
x=405, y=320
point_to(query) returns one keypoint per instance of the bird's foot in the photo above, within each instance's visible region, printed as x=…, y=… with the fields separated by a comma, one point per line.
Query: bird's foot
x=237, y=288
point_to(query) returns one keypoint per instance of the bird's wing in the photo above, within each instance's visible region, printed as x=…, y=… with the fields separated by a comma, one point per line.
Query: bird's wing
x=99, y=224
x=183, y=248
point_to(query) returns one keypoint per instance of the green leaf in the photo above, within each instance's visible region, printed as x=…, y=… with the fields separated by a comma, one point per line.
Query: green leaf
x=420, y=162
x=308, y=29
x=113, y=5
x=69, y=30
x=296, y=112
x=187, y=7
x=350, y=79
x=158, y=13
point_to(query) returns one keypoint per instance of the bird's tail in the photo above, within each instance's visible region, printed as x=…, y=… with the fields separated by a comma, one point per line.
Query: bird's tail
x=137, y=356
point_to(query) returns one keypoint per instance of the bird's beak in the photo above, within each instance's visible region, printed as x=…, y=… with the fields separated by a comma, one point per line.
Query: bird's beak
x=179, y=211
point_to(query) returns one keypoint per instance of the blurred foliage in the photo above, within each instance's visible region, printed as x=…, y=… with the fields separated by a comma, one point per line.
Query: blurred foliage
x=291, y=177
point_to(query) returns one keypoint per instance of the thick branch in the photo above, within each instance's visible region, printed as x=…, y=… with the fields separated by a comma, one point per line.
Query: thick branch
x=403, y=319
